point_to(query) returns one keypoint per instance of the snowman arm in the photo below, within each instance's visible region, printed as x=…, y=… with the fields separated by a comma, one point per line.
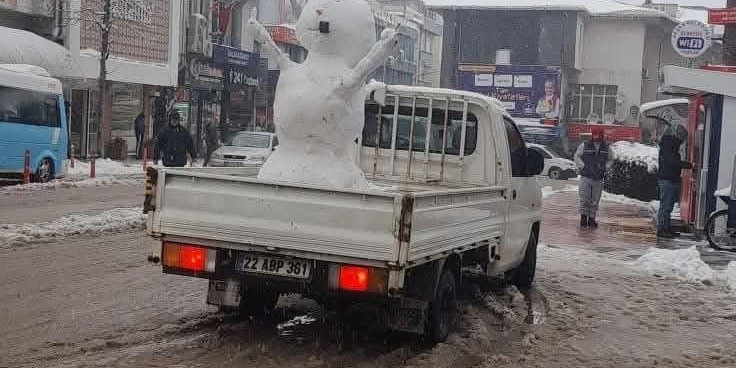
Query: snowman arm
x=375, y=57
x=296, y=7
x=269, y=46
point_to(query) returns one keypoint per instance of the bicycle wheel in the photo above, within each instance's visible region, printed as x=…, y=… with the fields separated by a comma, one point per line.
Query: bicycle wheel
x=717, y=233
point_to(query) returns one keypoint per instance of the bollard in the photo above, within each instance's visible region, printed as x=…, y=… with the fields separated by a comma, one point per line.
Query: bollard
x=92, y=166
x=27, y=168
x=71, y=158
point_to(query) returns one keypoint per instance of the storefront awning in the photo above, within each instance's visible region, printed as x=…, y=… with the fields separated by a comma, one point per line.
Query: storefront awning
x=22, y=47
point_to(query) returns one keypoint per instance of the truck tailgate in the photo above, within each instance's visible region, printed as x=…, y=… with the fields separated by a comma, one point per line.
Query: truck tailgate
x=247, y=211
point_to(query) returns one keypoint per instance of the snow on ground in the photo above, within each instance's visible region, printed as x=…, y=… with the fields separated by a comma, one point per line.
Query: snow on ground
x=114, y=220
x=85, y=183
x=622, y=199
x=548, y=191
x=636, y=153
x=683, y=264
x=104, y=168
x=730, y=275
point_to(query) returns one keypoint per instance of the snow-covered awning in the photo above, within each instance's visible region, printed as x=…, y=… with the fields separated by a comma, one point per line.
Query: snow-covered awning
x=22, y=47
x=593, y=7
x=689, y=79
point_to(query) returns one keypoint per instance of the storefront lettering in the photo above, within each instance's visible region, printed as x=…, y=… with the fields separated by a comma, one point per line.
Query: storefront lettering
x=239, y=77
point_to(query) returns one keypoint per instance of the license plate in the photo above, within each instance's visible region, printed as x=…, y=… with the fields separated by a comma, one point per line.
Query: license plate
x=289, y=267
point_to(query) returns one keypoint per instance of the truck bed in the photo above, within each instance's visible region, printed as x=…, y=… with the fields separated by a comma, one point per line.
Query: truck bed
x=391, y=224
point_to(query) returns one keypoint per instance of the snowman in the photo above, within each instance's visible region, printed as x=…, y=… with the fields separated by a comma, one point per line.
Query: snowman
x=319, y=104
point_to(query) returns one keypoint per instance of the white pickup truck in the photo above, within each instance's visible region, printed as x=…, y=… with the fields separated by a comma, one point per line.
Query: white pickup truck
x=453, y=188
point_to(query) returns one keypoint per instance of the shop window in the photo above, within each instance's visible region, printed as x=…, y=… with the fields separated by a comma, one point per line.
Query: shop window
x=437, y=131
x=28, y=107
x=593, y=102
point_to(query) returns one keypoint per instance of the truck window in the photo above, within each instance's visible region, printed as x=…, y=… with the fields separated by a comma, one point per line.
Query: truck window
x=437, y=131
x=517, y=149
x=28, y=107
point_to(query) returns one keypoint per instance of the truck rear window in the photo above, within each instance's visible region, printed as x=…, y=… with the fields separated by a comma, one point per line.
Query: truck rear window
x=372, y=134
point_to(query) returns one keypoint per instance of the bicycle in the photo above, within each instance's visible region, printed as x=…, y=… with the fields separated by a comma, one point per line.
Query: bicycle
x=716, y=231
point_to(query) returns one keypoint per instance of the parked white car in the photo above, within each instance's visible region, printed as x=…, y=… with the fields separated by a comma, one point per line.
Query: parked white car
x=555, y=167
x=245, y=148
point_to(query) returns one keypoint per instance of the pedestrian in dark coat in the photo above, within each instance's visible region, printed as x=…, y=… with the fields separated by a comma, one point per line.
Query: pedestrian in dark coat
x=212, y=140
x=669, y=178
x=592, y=160
x=174, y=143
x=140, y=131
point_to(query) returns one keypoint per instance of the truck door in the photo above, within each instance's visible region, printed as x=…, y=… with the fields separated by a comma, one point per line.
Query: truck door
x=522, y=196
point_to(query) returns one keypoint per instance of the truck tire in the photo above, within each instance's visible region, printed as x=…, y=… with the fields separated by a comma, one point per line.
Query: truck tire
x=258, y=303
x=523, y=275
x=443, y=308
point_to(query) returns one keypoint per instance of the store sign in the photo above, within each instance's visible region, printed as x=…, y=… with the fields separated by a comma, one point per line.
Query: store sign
x=691, y=38
x=613, y=133
x=225, y=56
x=205, y=72
x=722, y=16
x=240, y=77
x=526, y=91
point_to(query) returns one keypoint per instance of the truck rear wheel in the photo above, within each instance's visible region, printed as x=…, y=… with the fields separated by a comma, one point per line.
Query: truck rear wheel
x=523, y=275
x=443, y=308
x=258, y=303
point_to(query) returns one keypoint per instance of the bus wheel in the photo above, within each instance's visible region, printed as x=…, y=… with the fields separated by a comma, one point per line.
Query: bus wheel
x=45, y=171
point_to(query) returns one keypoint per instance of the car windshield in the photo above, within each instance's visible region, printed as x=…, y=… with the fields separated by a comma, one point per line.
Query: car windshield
x=249, y=140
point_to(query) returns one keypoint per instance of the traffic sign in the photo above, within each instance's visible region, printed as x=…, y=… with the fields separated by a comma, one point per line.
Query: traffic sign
x=691, y=38
x=722, y=16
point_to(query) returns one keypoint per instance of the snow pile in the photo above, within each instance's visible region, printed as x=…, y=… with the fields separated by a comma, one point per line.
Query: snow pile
x=730, y=275
x=86, y=183
x=683, y=264
x=548, y=191
x=622, y=199
x=637, y=154
x=114, y=220
x=103, y=168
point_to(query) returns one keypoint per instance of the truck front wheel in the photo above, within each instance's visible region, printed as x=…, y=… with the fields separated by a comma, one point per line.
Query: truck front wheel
x=258, y=303
x=443, y=308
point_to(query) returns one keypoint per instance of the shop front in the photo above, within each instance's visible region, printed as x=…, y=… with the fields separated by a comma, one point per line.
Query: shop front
x=241, y=83
x=200, y=103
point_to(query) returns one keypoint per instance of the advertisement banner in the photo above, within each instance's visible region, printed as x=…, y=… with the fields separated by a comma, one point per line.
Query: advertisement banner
x=527, y=91
x=230, y=57
x=613, y=133
x=722, y=16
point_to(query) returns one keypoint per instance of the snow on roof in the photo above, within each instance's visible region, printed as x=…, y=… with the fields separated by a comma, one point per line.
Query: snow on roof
x=22, y=47
x=655, y=104
x=717, y=82
x=28, y=77
x=593, y=7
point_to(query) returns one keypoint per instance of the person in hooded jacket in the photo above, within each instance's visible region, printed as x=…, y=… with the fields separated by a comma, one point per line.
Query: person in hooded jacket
x=669, y=178
x=174, y=142
x=592, y=160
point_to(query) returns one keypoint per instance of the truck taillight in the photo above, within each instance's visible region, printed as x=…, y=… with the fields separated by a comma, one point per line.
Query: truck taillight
x=189, y=257
x=353, y=278
x=357, y=278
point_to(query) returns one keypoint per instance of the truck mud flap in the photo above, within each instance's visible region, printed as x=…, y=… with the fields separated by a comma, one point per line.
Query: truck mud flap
x=224, y=293
x=408, y=315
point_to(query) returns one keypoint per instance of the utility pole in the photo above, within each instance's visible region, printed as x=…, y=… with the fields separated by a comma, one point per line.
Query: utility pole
x=729, y=39
x=104, y=129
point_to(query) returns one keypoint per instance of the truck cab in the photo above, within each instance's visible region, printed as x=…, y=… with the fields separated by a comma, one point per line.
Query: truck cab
x=453, y=188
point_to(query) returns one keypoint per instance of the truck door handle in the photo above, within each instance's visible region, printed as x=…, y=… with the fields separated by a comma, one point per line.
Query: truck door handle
x=513, y=194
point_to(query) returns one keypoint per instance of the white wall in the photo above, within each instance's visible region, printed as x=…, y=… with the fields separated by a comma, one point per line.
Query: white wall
x=612, y=54
x=131, y=71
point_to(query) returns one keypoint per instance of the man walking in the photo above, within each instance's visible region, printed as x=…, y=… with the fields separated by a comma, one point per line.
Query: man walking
x=140, y=131
x=174, y=142
x=592, y=160
x=669, y=178
x=212, y=141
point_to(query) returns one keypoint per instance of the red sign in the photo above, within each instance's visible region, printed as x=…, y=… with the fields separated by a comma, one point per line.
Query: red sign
x=722, y=16
x=613, y=133
x=720, y=68
x=283, y=34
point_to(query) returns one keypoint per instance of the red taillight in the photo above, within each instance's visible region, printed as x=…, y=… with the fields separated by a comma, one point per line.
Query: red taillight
x=353, y=278
x=192, y=258
x=189, y=257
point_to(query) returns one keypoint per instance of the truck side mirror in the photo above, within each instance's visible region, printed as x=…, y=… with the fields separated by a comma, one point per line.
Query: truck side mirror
x=534, y=162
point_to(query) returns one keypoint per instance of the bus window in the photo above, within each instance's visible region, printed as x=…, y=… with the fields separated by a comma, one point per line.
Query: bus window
x=28, y=107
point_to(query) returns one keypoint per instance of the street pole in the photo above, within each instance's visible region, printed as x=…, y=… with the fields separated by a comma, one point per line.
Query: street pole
x=729, y=39
x=102, y=124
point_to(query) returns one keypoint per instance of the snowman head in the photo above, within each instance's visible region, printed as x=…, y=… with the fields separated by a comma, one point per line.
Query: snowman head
x=342, y=28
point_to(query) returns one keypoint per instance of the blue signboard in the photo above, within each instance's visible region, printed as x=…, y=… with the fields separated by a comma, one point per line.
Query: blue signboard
x=230, y=57
x=527, y=91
